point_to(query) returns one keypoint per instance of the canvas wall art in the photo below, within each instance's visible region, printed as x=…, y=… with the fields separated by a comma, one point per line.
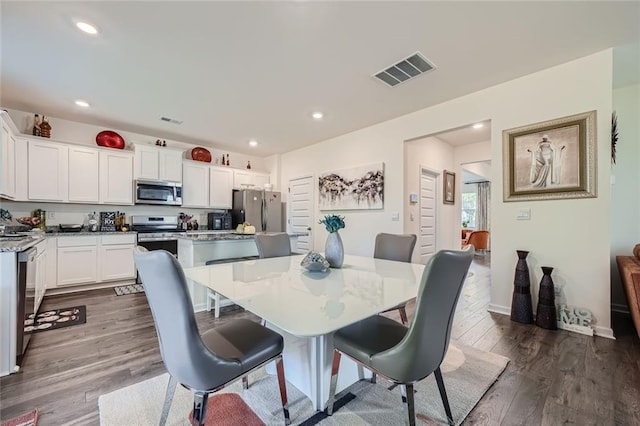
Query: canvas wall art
x=356, y=188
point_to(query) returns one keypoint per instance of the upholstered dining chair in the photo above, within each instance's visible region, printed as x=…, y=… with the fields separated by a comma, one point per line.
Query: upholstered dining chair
x=407, y=355
x=397, y=247
x=273, y=245
x=202, y=363
x=478, y=239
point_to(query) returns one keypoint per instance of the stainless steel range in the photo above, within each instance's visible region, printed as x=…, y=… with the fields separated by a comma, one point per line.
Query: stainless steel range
x=157, y=232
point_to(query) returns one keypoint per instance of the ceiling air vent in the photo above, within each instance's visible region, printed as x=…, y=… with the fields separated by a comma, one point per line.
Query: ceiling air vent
x=404, y=70
x=170, y=120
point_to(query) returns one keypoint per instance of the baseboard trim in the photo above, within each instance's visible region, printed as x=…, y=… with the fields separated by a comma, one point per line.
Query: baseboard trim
x=620, y=308
x=200, y=307
x=499, y=309
x=604, y=332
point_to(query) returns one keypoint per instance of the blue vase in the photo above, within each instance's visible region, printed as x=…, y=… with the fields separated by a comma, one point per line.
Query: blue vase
x=333, y=250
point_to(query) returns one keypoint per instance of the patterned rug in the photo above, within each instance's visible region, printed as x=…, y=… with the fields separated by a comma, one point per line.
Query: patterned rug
x=55, y=318
x=121, y=290
x=468, y=373
x=29, y=419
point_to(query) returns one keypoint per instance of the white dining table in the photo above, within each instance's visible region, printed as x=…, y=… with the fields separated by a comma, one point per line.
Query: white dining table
x=306, y=308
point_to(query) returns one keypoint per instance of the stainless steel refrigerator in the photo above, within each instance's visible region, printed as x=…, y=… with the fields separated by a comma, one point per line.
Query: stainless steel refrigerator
x=262, y=209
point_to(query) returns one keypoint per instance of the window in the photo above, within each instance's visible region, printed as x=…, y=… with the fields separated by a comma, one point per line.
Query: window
x=469, y=207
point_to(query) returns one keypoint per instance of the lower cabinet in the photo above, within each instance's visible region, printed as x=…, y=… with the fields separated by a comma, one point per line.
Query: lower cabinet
x=89, y=259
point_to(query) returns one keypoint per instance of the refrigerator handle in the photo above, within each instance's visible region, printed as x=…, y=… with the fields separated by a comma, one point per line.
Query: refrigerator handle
x=264, y=214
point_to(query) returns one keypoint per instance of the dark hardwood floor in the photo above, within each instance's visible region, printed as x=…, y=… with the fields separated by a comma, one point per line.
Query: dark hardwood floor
x=553, y=378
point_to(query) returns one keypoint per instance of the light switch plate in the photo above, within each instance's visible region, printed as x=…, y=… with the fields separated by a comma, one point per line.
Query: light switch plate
x=413, y=197
x=395, y=216
x=523, y=214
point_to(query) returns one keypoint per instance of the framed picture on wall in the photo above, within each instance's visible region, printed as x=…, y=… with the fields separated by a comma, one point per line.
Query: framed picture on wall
x=554, y=159
x=449, y=187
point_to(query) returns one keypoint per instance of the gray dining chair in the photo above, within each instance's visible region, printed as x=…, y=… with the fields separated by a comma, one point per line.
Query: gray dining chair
x=273, y=245
x=398, y=247
x=201, y=363
x=407, y=355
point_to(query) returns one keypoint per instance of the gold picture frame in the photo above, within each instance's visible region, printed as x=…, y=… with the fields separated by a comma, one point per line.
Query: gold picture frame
x=551, y=160
x=448, y=187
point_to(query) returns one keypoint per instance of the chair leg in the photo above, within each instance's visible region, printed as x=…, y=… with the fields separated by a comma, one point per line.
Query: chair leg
x=443, y=395
x=200, y=408
x=334, y=381
x=403, y=315
x=283, y=390
x=373, y=377
x=217, y=307
x=410, y=404
x=245, y=382
x=168, y=399
x=403, y=394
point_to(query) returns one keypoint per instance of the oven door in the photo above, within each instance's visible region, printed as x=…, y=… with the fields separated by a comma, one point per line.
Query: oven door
x=170, y=245
x=166, y=193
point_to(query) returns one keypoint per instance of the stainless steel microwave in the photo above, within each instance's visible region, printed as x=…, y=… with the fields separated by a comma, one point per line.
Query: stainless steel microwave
x=157, y=192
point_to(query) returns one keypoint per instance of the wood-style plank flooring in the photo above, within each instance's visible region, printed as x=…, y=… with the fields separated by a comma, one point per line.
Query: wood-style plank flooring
x=553, y=378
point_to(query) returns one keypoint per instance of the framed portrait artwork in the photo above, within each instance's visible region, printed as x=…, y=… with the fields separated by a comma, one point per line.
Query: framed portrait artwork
x=449, y=187
x=554, y=159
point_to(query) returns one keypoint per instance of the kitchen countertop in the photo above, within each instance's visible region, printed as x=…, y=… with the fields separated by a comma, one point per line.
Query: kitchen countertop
x=225, y=235
x=23, y=242
x=72, y=234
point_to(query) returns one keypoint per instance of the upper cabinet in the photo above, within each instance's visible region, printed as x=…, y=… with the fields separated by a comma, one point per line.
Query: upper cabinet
x=7, y=160
x=48, y=166
x=158, y=163
x=83, y=175
x=220, y=188
x=116, y=177
x=243, y=179
x=195, y=184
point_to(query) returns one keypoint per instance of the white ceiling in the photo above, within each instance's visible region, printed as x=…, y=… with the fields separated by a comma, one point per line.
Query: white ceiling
x=233, y=71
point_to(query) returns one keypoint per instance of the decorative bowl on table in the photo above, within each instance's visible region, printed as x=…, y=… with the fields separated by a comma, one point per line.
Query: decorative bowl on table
x=314, y=262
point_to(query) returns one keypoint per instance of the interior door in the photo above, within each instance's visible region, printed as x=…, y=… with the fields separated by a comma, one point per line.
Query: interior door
x=428, y=194
x=301, y=211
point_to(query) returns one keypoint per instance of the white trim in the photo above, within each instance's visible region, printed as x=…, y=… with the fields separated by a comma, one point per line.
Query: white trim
x=604, y=332
x=499, y=309
x=314, y=207
x=422, y=170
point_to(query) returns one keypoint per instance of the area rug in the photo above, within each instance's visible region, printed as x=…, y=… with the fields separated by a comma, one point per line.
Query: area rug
x=55, y=318
x=121, y=290
x=468, y=373
x=29, y=419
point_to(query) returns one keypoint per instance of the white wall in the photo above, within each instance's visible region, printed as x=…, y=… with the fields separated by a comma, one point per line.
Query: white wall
x=625, y=192
x=85, y=134
x=435, y=155
x=556, y=234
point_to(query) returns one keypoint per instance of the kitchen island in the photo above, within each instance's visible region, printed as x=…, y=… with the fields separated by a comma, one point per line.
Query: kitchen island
x=195, y=249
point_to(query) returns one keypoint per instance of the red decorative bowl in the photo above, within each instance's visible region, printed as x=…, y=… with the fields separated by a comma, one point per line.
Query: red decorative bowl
x=201, y=154
x=110, y=139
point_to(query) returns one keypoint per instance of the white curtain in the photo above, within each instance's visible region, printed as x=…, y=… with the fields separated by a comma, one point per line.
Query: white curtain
x=483, y=218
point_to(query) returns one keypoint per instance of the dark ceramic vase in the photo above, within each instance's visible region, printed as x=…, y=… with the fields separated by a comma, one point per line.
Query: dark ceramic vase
x=521, y=306
x=546, y=313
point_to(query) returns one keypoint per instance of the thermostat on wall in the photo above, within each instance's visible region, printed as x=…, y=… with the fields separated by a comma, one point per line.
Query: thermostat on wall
x=413, y=197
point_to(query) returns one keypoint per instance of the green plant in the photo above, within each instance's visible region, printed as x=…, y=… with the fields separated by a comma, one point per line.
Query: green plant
x=465, y=223
x=333, y=222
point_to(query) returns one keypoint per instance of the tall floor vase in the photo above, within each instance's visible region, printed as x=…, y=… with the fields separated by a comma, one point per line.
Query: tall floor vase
x=546, y=312
x=521, y=306
x=333, y=250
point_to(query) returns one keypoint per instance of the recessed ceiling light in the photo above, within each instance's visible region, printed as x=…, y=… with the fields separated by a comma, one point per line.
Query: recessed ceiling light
x=253, y=142
x=87, y=28
x=478, y=126
x=83, y=104
x=317, y=115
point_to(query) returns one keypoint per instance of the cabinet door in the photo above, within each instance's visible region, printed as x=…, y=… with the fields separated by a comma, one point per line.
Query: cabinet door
x=51, y=275
x=77, y=265
x=116, y=262
x=41, y=275
x=8, y=161
x=241, y=179
x=22, y=170
x=171, y=166
x=259, y=179
x=116, y=178
x=195, y=185
x=220, y=188
x=83, y=175
x=147, y=162
x=48, y=171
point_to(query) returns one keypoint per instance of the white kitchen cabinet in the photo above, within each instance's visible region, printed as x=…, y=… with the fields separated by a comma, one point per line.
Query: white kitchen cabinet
x=22, y=169
x=7, y=160
x=157, y=163
x=243, y=179
x=116, y=178
x=41, y=273
x=116, y=257
x=83, y=175
x=51, y=267
x=77, y=265
x=48, y=165
x=195, y=184
x=220, y=187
